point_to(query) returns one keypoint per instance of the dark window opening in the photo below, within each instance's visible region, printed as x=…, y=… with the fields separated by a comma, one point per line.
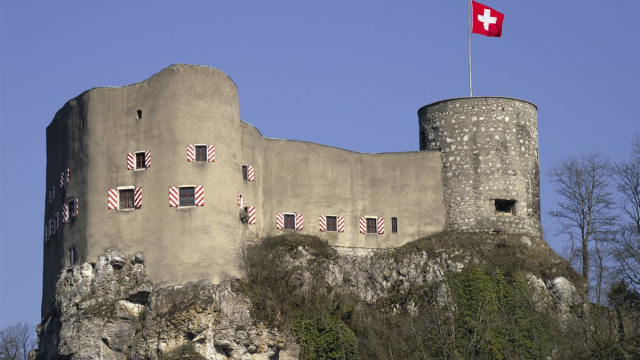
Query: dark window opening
x=82, y=122
x=289, y=221
x=372, y=226
x=394, y=225
x=505, y=206
x=71, y=209
x=332, y=223
x=187, y=196
x=126, y=199
x=201, y=153
x=139, y=113
x=72, y=257
x=245, y=173
x=140, y=163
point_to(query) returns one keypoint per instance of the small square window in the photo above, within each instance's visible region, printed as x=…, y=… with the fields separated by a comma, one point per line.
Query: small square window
x=140, y=160
x=127, y=199
x=372, y=226
x=290, y=221
x=187, y=196
x=245, y=173
x=505, y=206
x=201, y=153
x=394, y=225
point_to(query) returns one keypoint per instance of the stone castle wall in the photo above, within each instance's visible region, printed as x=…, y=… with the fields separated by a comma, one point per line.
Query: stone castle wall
x=489, y=149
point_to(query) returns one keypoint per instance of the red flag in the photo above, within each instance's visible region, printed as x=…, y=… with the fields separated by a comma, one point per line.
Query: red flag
x=486, y=21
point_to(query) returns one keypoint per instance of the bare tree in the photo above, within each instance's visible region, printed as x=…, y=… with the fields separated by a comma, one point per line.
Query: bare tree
x=16, y=341
x=585, y=207
x=627, y=246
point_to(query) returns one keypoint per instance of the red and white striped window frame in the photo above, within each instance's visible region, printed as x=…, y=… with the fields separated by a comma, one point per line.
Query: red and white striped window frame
x=113, y=198
x=324, y=225
x=363, y=226
x=210, y=153
x=282, y=224
x=132, y=160
x=175, y=195
x=70, y=210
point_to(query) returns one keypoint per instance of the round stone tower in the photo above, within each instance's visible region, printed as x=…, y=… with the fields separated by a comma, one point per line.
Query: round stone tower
x=490, y=163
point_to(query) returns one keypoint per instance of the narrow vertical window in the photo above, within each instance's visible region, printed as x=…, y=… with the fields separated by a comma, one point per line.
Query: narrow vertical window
x=139, y=114
x=140, y=160
x=245, y=176
x=332, y=223
x=394, y=225
x=372, y=226
x=72, y=257
x=201, y=153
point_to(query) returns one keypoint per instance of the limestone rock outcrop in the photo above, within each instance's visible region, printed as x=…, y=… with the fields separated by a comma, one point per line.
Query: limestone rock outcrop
x=111, y=310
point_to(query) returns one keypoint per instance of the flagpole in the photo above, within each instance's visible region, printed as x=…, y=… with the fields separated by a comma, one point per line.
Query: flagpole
x=469, y=35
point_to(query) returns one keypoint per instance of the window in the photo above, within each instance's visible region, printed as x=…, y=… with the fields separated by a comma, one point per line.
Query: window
x=122, y=198
x=505, y=206
x=201, y=153
x=72, y=257
x=126, y=199
x=244, y=172
x=332, y=223
x=139, y=114
x=187, y=196
x=372, y=226
x=394, y=225
x=140, y=160
x=70, y=210
x=290, y=221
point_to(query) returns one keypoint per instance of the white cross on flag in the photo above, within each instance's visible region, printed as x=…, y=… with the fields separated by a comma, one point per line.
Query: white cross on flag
x=486, y=21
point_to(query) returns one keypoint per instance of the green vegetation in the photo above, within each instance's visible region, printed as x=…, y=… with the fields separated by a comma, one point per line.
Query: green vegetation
x=489, y=310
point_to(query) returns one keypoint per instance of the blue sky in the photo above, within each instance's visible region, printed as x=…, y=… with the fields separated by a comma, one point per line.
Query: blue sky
x=350, y=74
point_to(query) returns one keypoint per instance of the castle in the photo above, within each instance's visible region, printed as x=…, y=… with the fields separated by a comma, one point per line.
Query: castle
x=166, y=167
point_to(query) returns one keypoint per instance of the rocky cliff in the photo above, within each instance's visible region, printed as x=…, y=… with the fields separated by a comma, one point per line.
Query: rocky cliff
x=112, y=310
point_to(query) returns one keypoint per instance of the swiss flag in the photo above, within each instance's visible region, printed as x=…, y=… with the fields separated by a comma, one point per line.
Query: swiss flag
x=486, y=21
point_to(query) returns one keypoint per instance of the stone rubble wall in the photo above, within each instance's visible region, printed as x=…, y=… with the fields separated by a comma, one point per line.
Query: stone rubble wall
x=489, y=149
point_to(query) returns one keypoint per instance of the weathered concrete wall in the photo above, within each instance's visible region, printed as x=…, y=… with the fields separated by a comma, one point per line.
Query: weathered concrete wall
x=313, y=179
x=181, y=105
x=489, y=151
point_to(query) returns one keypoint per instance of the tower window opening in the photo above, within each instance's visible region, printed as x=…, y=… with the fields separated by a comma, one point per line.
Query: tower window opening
x=139, y=114
x=394, y=225
x=245, y=173
x=505, y=206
